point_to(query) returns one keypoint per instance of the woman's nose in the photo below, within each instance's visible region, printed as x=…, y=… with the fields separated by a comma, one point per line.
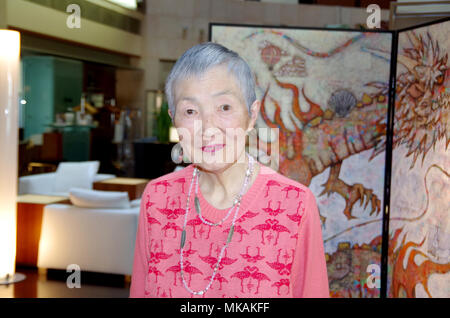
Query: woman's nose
x=208, y=122
x=209, y=126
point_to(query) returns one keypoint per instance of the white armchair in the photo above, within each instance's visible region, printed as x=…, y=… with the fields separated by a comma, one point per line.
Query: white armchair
x=96, y=239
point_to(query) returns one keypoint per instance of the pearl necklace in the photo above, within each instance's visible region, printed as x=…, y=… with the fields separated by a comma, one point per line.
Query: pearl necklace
x=237, y=203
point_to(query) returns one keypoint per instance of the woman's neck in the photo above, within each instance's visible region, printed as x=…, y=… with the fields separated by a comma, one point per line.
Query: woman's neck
x=221, y=187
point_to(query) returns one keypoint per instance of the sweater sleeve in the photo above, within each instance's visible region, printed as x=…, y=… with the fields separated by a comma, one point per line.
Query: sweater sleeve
x=309, y=276
x=140, y=264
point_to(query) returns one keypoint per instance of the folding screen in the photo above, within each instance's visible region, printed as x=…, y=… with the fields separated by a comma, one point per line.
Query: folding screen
x=419, y=226
x=327, y=91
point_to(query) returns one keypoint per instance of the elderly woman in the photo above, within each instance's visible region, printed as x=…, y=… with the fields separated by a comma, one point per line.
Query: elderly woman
x=226, y=225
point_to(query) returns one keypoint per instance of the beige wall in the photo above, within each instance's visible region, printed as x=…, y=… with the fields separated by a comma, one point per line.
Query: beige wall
x=3, y=22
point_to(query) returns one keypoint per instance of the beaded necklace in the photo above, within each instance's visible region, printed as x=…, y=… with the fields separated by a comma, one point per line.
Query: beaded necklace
x=237, y=203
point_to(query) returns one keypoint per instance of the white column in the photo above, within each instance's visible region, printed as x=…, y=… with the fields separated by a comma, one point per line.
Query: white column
x=9, y=105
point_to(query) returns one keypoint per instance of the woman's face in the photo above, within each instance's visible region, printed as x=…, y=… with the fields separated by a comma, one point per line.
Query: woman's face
x=212, y=119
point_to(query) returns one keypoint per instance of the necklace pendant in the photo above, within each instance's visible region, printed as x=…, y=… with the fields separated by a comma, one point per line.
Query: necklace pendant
x=197, y=205
x=183, y=239
x=230, y=234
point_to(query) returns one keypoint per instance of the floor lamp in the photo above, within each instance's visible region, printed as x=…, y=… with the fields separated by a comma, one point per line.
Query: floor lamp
x=9, y=104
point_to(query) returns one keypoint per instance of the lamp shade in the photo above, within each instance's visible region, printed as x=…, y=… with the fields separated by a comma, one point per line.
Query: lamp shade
x=9, y=104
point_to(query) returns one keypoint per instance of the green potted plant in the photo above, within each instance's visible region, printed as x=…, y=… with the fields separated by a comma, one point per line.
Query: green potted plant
x=163, y=123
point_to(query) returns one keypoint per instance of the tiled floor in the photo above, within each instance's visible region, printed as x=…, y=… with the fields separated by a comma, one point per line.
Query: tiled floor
x=53, y=285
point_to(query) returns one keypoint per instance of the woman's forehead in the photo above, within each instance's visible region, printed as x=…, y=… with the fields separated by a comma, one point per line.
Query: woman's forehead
x=218, y=75
x=217, y=82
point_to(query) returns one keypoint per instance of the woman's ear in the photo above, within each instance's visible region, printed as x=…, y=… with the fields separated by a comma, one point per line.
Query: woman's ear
x=254, y=111
x=171, y=117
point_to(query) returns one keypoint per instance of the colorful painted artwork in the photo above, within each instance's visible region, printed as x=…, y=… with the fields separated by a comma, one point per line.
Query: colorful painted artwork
x=327, y=93
x=419, y=227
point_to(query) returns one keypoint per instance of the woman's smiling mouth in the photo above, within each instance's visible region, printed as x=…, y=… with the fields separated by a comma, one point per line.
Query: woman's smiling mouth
x=213, y=148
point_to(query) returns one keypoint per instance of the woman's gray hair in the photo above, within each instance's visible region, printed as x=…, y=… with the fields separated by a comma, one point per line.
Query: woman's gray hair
x=201, y=58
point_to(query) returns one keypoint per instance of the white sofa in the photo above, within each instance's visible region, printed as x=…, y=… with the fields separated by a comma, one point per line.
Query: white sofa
x=68, y=175
x=43, y=183
x=96, y=239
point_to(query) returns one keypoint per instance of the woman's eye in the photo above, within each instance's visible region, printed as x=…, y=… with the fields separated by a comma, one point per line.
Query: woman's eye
x=225, y=107
x=190, y=112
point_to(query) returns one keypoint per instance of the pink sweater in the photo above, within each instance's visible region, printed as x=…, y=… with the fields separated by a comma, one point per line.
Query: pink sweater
x=276, y=250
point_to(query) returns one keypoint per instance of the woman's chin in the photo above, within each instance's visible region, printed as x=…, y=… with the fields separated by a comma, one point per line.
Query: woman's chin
x=213, y=161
